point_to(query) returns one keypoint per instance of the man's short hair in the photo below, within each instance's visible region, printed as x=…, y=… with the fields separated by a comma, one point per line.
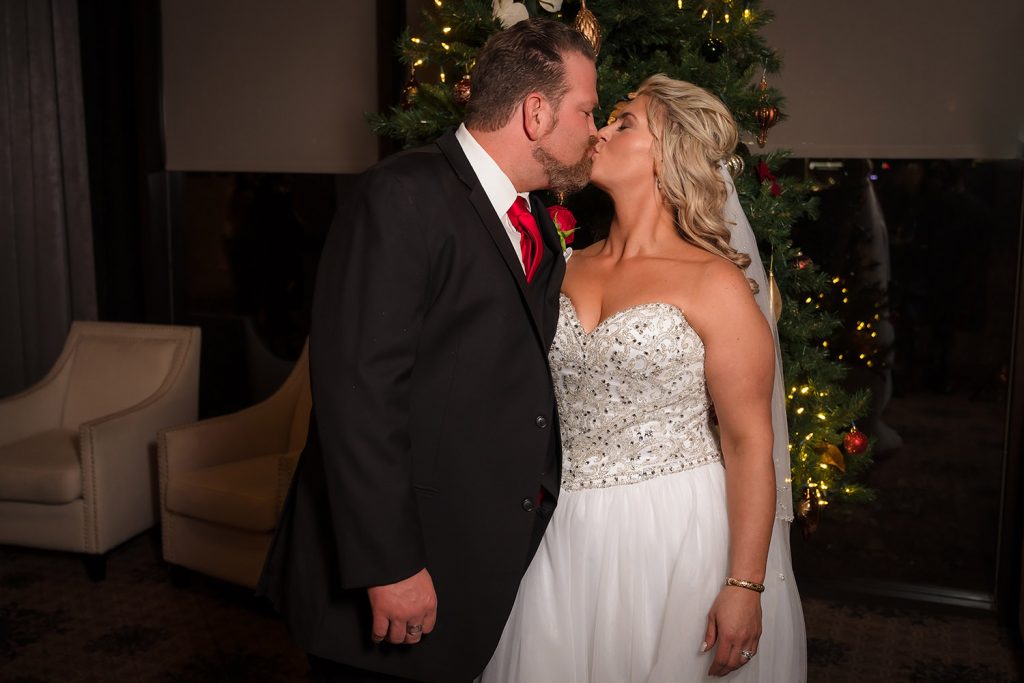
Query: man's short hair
x=524, y=58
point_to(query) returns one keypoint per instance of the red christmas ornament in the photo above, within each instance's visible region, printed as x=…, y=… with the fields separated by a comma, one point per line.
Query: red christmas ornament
x=855, y=441
x=767, y=114
x=463, y=89
x=409, y=91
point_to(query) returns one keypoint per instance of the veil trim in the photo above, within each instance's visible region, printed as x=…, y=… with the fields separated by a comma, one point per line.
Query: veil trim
x=742, y=239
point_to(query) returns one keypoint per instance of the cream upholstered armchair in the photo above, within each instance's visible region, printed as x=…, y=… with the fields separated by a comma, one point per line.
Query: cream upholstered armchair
x=77, y=456
x=223, y=482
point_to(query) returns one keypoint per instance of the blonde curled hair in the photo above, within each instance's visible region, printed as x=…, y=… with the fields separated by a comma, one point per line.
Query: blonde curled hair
x=693, y=133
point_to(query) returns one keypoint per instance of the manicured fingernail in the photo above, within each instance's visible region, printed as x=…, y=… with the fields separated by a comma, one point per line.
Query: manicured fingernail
x=703, y=647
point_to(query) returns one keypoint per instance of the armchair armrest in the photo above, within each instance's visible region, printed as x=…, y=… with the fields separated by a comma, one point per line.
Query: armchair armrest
x=37, y=408
x=118, y=460
x=261, y=429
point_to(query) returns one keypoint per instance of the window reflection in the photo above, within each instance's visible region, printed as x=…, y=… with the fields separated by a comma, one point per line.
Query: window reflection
x=931, y=246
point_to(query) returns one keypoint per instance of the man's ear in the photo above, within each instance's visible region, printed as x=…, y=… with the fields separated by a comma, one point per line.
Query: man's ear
x=536, y=116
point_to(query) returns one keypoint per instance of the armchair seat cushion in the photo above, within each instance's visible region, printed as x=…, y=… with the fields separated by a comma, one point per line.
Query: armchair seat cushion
x=42, y=468
x=245, y=494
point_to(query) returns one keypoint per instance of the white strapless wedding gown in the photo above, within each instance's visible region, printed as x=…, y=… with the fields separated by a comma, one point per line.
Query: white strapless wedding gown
x=637, y=549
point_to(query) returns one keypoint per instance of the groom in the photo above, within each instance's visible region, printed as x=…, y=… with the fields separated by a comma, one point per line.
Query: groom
x=432, y=464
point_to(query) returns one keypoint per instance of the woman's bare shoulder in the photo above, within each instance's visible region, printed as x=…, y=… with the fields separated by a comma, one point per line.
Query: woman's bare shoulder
x=716, y=289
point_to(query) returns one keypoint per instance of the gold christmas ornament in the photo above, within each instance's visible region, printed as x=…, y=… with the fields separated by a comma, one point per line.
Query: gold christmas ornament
x=808, y=510
x=774, y=296
x=735, y=164
x=463, y=89
x=831, y=455
x=766, y=114
x=586, y=23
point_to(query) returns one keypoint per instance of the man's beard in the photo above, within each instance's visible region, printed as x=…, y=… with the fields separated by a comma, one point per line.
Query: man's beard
x=566, y=178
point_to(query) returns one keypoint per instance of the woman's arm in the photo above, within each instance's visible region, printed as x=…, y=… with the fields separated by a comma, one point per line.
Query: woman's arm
x=739, y=365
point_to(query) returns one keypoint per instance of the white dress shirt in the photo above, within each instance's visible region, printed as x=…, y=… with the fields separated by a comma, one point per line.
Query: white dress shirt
x=498, y=188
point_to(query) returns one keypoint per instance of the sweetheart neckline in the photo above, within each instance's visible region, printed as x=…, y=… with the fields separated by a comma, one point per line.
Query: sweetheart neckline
x=616, y=314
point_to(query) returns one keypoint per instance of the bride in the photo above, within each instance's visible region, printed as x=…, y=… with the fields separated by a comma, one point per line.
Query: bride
x=667, y=558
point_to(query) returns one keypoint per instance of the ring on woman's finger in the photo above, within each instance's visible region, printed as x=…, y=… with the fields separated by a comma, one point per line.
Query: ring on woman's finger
x=746, y=654
x=414, y=629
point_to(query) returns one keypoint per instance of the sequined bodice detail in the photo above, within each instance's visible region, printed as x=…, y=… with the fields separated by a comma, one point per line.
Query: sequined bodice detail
x=632, y=399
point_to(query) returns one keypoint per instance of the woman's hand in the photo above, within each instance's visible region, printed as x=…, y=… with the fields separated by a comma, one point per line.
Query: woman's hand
x=734, y=625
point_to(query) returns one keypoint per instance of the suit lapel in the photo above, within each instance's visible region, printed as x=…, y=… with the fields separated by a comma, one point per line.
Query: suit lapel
x=547, y=227
x=490, y=220
x=452, y=150
x=557, y=271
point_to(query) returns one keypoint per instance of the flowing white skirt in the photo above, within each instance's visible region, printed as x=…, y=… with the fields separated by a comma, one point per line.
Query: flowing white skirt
x=621, y=585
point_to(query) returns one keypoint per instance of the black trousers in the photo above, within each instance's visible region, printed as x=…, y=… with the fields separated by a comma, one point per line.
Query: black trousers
x=328, y=671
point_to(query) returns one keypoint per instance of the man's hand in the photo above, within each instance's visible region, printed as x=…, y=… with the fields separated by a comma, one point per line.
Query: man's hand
x=404, y=611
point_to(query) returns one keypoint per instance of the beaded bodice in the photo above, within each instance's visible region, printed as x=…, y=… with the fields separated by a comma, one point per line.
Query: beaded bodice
x=632, y=399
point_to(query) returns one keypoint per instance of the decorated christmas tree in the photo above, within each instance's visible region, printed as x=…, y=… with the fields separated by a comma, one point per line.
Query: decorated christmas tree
x=715, y=44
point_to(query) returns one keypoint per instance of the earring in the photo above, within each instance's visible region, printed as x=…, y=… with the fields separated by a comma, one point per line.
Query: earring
x=657, y=181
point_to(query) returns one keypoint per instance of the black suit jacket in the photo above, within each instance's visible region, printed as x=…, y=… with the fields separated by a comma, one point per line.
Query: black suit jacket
x=433, y=423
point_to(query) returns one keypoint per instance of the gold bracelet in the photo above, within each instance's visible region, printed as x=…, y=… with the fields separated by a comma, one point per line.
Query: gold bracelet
x=749, y=585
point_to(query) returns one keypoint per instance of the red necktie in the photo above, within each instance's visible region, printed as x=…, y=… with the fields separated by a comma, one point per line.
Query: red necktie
x=529, y=236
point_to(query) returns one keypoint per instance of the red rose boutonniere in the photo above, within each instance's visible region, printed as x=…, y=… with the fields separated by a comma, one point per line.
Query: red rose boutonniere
x=565, y=223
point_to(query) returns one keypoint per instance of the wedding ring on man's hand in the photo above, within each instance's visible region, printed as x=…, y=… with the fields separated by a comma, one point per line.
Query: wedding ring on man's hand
x=746, y=654
x=414, y=629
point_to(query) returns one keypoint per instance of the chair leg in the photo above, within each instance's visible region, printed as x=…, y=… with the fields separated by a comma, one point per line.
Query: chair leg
x=95, y=566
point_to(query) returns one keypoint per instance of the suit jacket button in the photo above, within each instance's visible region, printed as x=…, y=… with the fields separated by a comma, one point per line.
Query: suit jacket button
x=541, y=422
x=528, y=504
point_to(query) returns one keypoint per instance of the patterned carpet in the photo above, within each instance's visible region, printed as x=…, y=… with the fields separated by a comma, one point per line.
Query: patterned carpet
x=56, y=625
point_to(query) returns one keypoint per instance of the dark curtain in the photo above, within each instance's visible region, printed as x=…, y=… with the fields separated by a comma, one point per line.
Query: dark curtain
x=47, y=274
